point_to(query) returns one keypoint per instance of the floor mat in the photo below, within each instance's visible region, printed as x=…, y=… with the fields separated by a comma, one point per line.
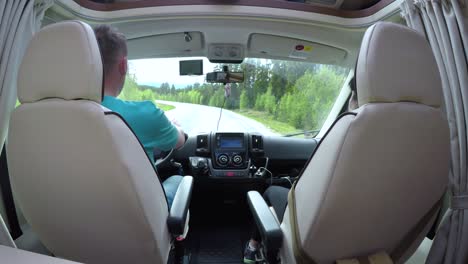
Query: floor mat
x=219, y=245
x=221, y=242
x=220, y=225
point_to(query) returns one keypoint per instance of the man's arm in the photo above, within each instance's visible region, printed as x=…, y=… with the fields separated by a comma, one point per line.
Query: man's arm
x=181, y=137
x=159, y=131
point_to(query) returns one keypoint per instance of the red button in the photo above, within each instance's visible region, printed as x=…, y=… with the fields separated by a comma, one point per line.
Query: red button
x=299, y=47
x=229, y=173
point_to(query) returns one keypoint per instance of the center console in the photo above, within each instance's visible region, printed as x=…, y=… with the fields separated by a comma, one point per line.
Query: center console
x=222, y=154
x=230, y=151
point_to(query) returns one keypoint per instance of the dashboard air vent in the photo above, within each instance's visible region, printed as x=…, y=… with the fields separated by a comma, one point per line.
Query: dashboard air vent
x=257, y=143
x=202, y=144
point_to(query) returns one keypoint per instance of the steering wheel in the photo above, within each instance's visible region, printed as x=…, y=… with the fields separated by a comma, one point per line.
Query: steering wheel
x=164, y=160
x=161, y=162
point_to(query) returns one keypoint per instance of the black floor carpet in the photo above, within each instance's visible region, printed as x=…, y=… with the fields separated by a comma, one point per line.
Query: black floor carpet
x=220, y=221
x=217, y=245
x=220, y=237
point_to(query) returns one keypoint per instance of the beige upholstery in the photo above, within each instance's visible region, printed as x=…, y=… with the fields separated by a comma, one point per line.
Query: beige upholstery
x=392, y=69
x=81, y=177
x=57, y=66
x=13, y=255
x=381, y=169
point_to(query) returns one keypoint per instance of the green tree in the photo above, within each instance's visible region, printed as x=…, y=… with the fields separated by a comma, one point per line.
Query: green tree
x=165, y=88
x=298, y=93
x=269, y=101
x=278, y=79
x=262, y=78
x=131, y=91
x=244, y=101
x=312, y=98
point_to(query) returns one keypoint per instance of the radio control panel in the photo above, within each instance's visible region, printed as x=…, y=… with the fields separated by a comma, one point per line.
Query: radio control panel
x=230, y=150
x=226, y=155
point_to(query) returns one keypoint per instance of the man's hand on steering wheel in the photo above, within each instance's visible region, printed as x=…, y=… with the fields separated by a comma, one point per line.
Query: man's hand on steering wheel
x=162, y=158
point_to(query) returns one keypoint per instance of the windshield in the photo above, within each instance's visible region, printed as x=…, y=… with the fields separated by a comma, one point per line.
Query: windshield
x=277, y=97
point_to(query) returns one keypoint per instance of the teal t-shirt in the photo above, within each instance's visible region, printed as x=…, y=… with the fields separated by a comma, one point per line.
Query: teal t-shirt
x=149, y=123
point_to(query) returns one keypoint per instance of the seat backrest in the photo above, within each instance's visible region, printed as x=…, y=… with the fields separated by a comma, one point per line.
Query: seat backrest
x=13, y=255
x=381, y=168
x=82, y=179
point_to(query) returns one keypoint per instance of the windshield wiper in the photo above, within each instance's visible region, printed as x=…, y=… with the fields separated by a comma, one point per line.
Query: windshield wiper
x=312, y=133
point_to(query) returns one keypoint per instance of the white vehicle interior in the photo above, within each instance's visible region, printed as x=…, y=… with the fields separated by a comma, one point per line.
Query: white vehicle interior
x=370, y=185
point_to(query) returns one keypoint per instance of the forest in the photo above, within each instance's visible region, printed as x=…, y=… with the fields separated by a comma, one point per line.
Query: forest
x=297, y=93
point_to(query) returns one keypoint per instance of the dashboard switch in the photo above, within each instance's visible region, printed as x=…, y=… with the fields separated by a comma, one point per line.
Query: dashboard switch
x=223, y=159
x=237, y=159
x=201, y=164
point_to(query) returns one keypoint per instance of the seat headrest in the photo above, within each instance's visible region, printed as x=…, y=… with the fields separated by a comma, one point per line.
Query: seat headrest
x=62, y=61
x=396, y=64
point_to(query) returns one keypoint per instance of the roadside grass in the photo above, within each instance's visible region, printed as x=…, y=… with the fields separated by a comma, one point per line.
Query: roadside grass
x=165, y=107
x=268, y=120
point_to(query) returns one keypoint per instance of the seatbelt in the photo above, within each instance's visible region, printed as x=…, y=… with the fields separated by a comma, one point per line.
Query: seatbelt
x=408, y=239
x=440, y=215
x=299, y=253
x=7, y=196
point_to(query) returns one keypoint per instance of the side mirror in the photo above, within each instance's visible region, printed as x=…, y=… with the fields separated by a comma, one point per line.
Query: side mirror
x=225, y=77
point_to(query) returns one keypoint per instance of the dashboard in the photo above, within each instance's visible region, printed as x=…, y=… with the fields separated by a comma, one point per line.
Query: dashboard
x=231, y=155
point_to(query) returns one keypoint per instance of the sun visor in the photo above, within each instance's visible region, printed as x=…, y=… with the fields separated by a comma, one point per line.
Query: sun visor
x=183, y=44
x=278, y=47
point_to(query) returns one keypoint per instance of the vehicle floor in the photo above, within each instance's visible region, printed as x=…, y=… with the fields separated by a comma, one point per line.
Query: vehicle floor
x=218, y=233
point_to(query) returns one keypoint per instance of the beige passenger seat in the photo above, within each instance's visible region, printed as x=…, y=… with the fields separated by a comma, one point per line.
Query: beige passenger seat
x=374, y=184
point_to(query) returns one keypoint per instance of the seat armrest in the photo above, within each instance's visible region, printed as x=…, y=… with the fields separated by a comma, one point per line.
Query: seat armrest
x=180, y=206
x=268, y=226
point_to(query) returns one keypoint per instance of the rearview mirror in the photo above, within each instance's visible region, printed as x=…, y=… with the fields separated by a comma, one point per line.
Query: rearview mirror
x=225, y=77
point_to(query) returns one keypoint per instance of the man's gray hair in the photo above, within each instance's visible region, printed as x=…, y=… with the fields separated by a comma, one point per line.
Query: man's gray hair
x=112, y=44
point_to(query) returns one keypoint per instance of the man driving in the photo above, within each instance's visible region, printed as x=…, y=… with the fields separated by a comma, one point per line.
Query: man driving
x=148, y=122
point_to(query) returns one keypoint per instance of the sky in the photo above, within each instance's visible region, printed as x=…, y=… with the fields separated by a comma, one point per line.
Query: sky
x=156, y=71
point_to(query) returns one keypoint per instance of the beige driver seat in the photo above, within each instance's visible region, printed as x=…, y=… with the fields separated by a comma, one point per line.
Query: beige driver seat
x=374, y=181
x=81, y=177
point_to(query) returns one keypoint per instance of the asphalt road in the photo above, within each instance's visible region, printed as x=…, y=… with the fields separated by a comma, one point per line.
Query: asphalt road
x=194, y=119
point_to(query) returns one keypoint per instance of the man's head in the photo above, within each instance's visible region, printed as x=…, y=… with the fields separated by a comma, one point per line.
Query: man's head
x=113, y=47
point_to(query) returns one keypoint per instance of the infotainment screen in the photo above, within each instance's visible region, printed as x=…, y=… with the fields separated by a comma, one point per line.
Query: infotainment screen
x=231, y=142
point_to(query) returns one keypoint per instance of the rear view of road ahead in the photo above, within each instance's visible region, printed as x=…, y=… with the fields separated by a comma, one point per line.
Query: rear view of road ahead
x=195, y=118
